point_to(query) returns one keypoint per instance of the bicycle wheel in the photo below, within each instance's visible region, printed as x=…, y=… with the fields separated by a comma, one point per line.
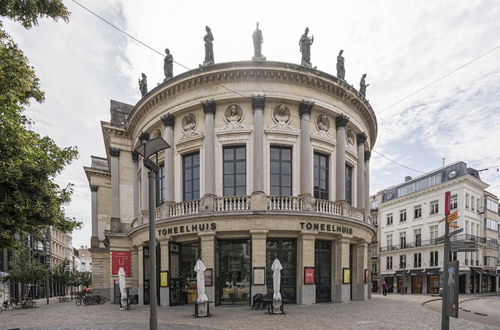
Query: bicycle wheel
x=78, y=301
x=102, y=300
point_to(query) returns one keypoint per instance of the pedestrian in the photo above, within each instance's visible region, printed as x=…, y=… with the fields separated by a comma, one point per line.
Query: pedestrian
x=384, y=288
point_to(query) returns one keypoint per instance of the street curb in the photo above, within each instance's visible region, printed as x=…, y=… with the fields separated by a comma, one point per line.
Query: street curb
x=474, y=298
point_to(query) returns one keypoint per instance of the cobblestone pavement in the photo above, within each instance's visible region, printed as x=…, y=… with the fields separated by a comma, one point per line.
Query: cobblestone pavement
x=389, y=312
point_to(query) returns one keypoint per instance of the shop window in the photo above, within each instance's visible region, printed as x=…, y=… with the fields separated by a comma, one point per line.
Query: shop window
x=321, y=176
x=348, y=183
x=281, y=171
x=402, y=215
x=417, y=212
x=234, y=171
x=434, y=207
x=191, y=176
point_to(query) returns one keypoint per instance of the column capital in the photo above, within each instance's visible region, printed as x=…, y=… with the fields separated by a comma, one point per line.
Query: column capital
x=114, y=152
x=368, y=154
x=135, y=156
x=168, y=120
x=305, y=108
x=341, y=121
x=208, y=106
x=361, y=137
x=258, y=101
x=94, y=188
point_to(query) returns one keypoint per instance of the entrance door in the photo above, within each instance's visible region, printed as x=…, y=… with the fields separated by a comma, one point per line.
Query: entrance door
x=323, y=270
x=416, y=284
x=177, y=284
x=234, y=266
x=286, y=252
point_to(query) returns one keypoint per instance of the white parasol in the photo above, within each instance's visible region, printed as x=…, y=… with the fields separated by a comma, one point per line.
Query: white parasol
x=123, y=286
x=199, y=268
x=276, y=268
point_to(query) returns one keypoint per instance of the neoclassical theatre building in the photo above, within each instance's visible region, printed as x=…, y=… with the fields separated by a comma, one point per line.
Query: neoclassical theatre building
x=267, y=160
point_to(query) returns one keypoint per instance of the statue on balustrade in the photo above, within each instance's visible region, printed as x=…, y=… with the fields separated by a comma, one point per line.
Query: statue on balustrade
x=143, y=84
x=257, y=44
x=168, y=69
x=305, y=48
x=340, y=66
x=209, y=47
x=363, y=85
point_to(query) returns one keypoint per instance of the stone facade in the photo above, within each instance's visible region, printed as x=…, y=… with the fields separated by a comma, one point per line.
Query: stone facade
x=256, y=107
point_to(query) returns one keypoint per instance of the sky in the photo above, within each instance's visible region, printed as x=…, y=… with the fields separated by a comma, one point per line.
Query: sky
x=402, y=45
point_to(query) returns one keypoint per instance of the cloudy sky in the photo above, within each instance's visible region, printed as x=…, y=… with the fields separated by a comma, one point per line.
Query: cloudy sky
x=401, y=45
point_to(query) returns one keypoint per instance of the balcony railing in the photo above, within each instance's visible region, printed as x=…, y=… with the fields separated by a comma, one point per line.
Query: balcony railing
x=232, y=203
x=260, y=203
x=462, y=237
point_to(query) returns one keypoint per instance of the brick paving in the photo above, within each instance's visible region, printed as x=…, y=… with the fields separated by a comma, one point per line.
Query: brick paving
x=390, y=312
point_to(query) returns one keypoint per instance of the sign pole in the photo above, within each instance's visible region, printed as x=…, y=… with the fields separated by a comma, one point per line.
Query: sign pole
x=445, y=318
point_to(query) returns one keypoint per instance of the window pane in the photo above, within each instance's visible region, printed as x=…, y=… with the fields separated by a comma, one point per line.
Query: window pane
x=228, y=191
x=275, y=153
x=240, y=168
x=228, y=154
x=275, y=180
x=275, y=167
x=196, y=159
x=286, y=191
x=240, y=180
x=228, y=168
x=286, y=180
x=286, y=168
x=286, y=154
x=275, y=190
x=241, y=153
x=240, y=191
x=188, y=162
x=228, y=180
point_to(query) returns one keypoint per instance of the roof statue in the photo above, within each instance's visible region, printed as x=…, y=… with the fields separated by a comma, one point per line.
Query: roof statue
x=340, y=66
x=168, y=69
x=209, y=47
x=363, y=85
x=143, y=84
x=305, y=48
x=257, y=44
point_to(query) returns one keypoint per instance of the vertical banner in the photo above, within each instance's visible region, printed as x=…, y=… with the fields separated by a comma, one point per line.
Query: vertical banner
x=447, y=203
x=120, y=259
x=452, y=281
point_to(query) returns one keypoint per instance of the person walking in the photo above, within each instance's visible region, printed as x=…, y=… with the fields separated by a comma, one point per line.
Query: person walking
x=384, y=288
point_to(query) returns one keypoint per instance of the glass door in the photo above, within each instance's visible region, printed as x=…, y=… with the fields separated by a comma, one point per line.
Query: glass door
x=233, y=271
x=285, y=249
x=323, y=270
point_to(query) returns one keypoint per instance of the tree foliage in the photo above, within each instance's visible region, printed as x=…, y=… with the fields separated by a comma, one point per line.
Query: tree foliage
x=30, y=200
x=25, y=269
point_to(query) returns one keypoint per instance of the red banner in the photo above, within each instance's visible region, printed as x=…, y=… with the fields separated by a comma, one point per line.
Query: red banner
x=120, y=259
x=447, y=203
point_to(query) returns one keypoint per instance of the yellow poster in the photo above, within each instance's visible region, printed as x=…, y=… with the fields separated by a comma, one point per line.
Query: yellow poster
x=346, y=276
x=164, y=279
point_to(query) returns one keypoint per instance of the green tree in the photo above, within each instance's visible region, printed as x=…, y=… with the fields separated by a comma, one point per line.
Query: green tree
x=25, y=269
x=62, y=276
x=30, y=200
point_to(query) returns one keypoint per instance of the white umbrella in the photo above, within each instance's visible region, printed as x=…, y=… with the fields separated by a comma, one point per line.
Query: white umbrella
x=276, y=268
x=123, y=286
x=199, y=268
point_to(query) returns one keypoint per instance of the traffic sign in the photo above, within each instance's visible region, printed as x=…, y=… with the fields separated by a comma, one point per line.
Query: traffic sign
x=451, y=217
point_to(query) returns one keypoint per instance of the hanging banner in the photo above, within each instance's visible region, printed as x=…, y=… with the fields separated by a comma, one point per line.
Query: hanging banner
x=120, y=259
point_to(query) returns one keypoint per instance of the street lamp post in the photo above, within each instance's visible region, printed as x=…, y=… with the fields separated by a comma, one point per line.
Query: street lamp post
x=147, y=149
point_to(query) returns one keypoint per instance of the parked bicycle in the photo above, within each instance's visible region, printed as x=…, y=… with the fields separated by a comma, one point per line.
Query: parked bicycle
x=11, y=303
x=88, y=299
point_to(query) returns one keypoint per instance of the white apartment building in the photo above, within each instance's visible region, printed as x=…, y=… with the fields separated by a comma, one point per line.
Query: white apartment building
x=409, y=224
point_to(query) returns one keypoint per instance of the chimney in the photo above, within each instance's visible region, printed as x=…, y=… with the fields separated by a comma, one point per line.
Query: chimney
x=407, y=178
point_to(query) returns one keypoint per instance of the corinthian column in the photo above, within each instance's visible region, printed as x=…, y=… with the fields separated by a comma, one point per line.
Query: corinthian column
x=115, y=182
x=360, y=171
x=340, y=124
x=209, y=144
x=305, y=108
x=258, y=103
x=169, y=122
x=367, y=180
x=94, y=240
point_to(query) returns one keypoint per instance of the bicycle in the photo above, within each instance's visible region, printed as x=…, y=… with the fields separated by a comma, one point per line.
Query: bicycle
x=11, y=303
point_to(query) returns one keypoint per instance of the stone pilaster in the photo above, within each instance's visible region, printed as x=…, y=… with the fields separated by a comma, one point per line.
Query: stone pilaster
x=341, y=260
x=360, y=172
x=208, y=258
x=209, y=107
x=135, y=187
x=164, y=292
x=140, y=260
x=259, y=238
x=94, y=240
x=359, y=264
x=340, y=124
x=367, y=181
x=115, y=182
x=258, y=104
x=169, y=122
x=306, y=178
x=306, y=292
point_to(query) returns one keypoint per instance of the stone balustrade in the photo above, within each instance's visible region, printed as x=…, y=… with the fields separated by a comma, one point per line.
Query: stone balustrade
x=253, y=203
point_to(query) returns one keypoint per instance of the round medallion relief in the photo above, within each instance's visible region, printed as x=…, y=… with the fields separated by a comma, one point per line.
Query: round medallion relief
x=233, y=114
x=281, y=114
x=350, y=136
x=322, y=122
x=189, y=122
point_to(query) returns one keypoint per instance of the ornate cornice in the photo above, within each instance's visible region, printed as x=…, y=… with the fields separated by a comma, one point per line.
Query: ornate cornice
x=114, y=152
x=258, y=101
x=267, y=72
x=168, y=120
x=305, y=108
x=94, y=188
x=368, y=155
x=341, y=121
x=361, y=137
x=208, y=106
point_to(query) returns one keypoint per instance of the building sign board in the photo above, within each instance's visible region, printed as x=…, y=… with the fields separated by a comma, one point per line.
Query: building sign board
x=120, y=259
x=452, y=281
x=164, y=278
x=346, y=276
x=308, y=275
x=259, y=276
